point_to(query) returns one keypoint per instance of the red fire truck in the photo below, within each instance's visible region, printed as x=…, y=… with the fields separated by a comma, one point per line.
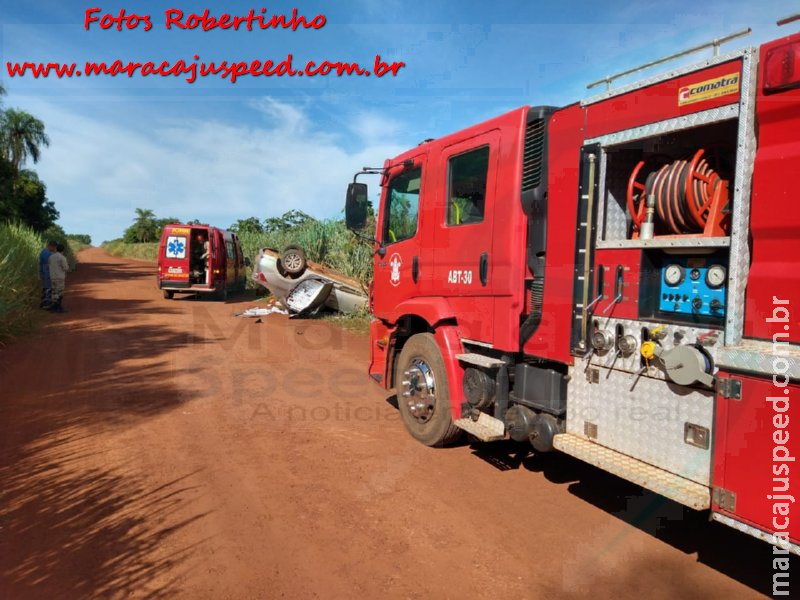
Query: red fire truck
x=617, y=279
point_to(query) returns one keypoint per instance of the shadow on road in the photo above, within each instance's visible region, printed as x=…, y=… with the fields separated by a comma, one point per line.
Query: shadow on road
x=734, y=554
x=68, y=529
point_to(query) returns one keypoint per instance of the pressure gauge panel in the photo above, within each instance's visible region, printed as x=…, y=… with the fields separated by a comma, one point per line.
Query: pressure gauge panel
x=716, y=276
x=693, y=287
x=674, y=275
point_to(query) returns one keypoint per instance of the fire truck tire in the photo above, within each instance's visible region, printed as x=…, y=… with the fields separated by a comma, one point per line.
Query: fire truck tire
x=422, y=392
x=168, y=294
x=293, y=259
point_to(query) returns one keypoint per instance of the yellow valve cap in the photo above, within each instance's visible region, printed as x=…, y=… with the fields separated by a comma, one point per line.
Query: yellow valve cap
x=648, y=350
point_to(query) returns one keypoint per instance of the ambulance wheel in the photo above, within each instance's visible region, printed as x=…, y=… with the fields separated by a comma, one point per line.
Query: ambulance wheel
x=422, y=392
x=222, y=295
x=293, y=259
x=168, y=294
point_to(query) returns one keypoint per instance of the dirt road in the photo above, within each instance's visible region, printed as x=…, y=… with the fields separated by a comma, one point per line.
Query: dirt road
x=155, y=448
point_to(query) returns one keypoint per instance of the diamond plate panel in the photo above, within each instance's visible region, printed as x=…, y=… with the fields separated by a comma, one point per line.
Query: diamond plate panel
x=739, y=262
x=673, y=335
x=677, y=488
x=711, y=242
x=704, y=117
x=643, y=83
x=486, y=428
x=756, y=533
x=615, y=211
x=600, y=201
x=759, y=357
x=643, y=418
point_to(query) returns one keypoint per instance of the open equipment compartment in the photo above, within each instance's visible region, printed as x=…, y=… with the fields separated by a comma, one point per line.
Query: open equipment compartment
x=626, y=166
x=645, y=156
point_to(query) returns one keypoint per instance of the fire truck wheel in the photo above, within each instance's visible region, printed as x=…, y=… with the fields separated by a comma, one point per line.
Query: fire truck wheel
x=293, y=259
x=422, y=392
x=168, y=295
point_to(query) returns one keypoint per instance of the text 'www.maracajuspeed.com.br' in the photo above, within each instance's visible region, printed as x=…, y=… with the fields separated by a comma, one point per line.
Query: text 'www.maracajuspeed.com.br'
x=194, y=69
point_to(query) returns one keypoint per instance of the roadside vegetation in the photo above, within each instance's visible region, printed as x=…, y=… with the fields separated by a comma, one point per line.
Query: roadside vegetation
x=20, y=288
x=358, y=321
x=140, y=251
x=23, y=196
x=78, y=242
x=327, y=242
x=27, y=221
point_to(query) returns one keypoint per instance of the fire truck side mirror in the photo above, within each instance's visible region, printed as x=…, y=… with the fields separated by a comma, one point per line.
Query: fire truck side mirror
x=356, y=206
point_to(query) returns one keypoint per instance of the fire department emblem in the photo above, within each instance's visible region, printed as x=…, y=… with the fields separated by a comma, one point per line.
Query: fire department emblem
x=395, y=262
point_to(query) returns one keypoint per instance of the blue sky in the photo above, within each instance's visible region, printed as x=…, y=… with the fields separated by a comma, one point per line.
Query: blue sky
x=218, y=151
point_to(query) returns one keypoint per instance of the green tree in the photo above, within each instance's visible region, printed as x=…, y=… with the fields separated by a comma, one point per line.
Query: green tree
x=81, y=238
x=22, y=137
x=144, y=225
x=288, y=220
x=161, y=223
x=248, y=225
x=23, y=198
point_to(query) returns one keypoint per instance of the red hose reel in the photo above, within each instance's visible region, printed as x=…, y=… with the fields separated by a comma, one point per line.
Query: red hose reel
x=687, y=198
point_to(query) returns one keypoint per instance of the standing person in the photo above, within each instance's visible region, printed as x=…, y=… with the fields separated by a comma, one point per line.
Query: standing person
x=58, y=275
x=44, y=273
x=204, y=258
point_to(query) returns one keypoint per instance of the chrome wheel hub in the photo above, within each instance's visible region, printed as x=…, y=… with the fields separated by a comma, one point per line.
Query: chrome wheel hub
x=419, y=390
x=293, y=262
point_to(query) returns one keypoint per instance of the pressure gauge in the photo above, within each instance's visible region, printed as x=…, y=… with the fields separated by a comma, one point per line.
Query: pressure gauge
x=715, y=276
x=673, y=275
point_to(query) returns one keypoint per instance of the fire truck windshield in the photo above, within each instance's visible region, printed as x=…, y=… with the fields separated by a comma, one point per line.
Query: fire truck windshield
x=402, y=206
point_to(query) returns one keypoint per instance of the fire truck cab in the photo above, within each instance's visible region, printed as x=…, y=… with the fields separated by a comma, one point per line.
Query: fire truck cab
x=617, y=279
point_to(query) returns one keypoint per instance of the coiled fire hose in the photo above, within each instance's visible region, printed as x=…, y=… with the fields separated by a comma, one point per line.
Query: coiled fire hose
x=681, y=195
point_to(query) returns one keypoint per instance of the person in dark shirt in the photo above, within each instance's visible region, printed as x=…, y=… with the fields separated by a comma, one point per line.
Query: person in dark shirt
x=44, y=274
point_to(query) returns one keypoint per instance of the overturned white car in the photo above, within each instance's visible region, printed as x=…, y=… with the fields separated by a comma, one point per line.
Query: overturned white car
x=302, y=286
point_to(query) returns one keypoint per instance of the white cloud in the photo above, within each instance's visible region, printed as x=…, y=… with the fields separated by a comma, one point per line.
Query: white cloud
x=371, y=128
x=99, y=170
x=284, y=117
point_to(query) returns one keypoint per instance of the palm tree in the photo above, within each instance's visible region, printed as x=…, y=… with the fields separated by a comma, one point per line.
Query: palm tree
x=22, y=137
x=144, y=224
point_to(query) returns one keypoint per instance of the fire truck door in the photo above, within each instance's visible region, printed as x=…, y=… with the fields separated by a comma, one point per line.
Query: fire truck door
x=462, y=239
x=398, y=263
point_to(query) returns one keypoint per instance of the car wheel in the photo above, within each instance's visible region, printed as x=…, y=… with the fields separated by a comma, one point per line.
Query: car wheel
x=422, y=392
x=293, y=260
x=168, y=294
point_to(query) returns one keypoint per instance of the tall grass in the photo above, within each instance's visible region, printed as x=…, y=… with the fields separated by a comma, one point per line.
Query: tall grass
x=327, y=242
x=20, y=289
x=147, y=251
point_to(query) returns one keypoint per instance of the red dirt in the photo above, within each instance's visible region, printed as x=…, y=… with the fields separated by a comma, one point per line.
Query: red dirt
x=155, y=448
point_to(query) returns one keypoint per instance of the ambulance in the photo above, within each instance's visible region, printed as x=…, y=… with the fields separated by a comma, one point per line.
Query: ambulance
x=200, y=259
